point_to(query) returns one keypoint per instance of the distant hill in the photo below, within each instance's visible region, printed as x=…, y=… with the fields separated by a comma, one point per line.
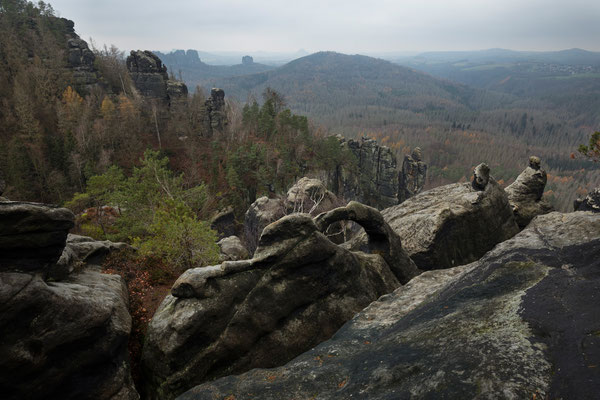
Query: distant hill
x=565, y=57
x=567, y=79
x=326, y=83
x=188, y=66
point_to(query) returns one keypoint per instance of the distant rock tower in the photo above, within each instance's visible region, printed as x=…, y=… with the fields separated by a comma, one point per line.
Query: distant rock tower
x=412, y=177
x=151, y=79
x=247, y=60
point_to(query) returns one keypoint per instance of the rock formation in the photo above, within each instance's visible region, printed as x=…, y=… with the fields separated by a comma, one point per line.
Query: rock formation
x=217, y=115
x=247, y=60
x=260, y=214
x=232, y=249
x=305, y=196
x=81, y=250
x=296, y=292
x=80, y=59
x=62, y=339
x=375, y=179
x=525, y=193
x=32, y=235
x=454, y=224
x=150, y=77
x=590, y=203
x=520, y=323
x=412, y=177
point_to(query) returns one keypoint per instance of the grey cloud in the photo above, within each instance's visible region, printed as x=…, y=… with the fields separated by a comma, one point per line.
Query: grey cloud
x=349, y=26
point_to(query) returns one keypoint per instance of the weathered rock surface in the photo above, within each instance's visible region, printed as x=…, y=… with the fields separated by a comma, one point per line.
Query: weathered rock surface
x=296, y=292
x=305, y=196
x=32, y=235
x=411, y=179
x=381, y=238
x=525, y=193
x=64, y=340
x=260, y=214
x=232, y=249
x=310, y=196
x=454, y=224
x=590, y=203
x=59, y=340
x=520, y=323
x=150, y=77
x=375, y=180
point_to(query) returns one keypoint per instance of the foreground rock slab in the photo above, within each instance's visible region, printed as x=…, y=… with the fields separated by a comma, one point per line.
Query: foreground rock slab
x=295, y=293
x=64, y=340
x=522, y=322
x=454, y=224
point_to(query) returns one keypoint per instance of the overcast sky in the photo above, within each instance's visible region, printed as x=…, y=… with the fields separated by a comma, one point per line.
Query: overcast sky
x=349, y=26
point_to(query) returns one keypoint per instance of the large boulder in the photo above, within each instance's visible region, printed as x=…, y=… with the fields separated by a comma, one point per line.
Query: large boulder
x=32, y=235
x=310, y=196
x=520, y=323
x=454, y=224
x=226, y=319
x=411, y=179
x=525, y=193
x=590, y=203
x=260, y=214
x=232, y=249
x=64, y=340
x=305, y=196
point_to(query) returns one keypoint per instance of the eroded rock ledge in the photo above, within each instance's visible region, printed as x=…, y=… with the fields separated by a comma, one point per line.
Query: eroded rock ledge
x=521, y=322
x=296, y=292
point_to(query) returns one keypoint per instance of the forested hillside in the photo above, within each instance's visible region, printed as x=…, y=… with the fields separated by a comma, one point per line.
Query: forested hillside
x=457, y=125
x=69, y=114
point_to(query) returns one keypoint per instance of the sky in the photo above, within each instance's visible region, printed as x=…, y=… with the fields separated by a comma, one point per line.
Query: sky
x=348, y=26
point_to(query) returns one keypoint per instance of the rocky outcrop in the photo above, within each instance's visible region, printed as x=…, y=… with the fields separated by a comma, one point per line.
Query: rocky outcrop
x=80, y=59
x=65, y=339
x=217, y=115
x=525, y=193
x=411, y=179
x=374, y=180
x=454, y=224
x=62, y=339
x=82, y=250
x=310, y=196
x=305, y=196
x=381, y=239
x=150, y=77
x=590, y=203
x=260, y=214
x=232, y=249
x=522, y=322
x=32, y=235
x=247, y=60
x=296, y=292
